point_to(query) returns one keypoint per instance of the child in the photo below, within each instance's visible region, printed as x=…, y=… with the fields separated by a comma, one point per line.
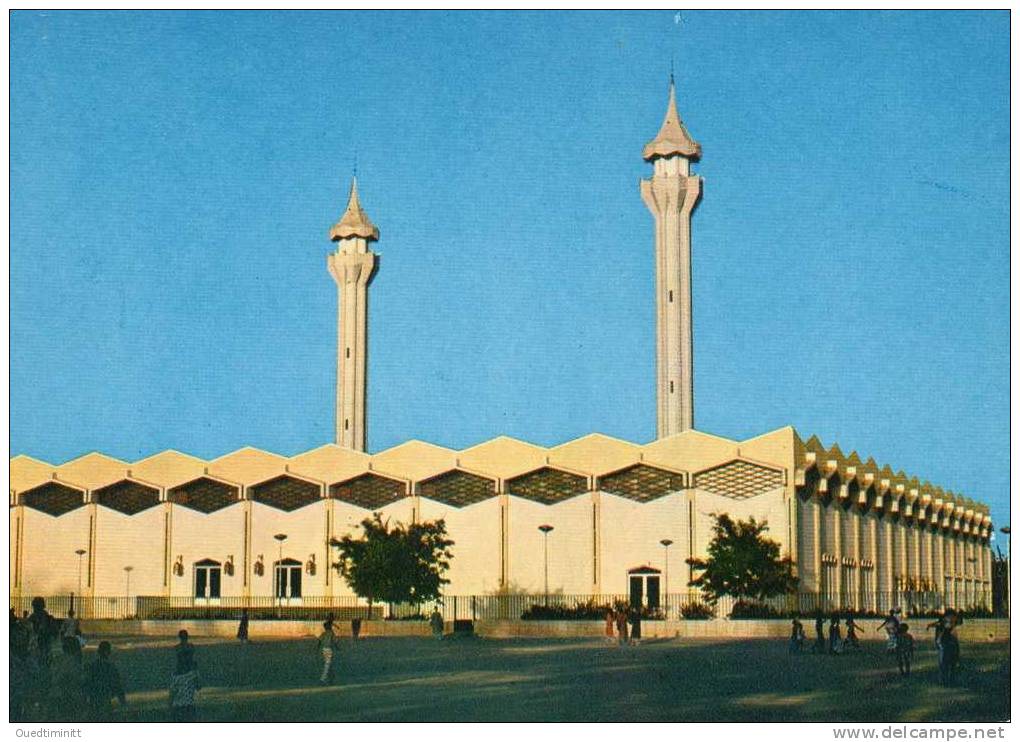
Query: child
x=327, y=647
x=890, y=624
x=938, y=624
x=102, y=684
x=904, y=648
x=796, y=636
x=819, y=645
x=184, y=681
x=949, y=651
x=835, y=636
x=851, y=631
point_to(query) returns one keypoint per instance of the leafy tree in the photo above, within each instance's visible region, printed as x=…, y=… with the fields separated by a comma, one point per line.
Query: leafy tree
x=395, y=564
x=742, y=562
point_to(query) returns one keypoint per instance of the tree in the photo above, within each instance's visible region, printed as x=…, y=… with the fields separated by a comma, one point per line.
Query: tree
x=395, y=564
x=742, y=562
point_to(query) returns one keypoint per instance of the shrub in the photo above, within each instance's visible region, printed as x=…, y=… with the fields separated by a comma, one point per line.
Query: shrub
x=586, y=611
x=697, y=611
x=745, y=609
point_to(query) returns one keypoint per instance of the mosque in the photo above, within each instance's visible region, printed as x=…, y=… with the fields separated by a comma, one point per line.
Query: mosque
x=592, y=516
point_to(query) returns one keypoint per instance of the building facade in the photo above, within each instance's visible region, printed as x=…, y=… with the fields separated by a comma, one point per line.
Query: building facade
x=861, y=535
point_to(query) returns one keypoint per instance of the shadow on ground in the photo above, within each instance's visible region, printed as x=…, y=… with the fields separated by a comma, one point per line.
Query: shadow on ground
x=391, y=679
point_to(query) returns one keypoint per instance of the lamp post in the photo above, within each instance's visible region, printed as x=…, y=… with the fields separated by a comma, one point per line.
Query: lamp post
x=127, y=585
x=545, y=529
x=80, y=553
x=278, y=572
x=666, y=543
x=1009, y=564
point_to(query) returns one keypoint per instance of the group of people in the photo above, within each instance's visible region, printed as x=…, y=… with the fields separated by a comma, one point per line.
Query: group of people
x=900, y=641
x=623, y=625
x=58, y=684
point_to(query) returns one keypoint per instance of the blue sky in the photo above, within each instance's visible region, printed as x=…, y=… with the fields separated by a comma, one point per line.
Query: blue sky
x=174, y=177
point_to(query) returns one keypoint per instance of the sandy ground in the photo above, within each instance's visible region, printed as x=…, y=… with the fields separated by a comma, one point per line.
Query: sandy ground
x=471, y=679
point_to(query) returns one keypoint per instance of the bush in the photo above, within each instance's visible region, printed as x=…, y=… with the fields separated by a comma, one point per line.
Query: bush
x=747, y=609
x=587, y=611
x=697, y=611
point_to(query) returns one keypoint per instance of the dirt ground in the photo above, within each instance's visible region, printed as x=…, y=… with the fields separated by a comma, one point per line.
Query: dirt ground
x=472, y=679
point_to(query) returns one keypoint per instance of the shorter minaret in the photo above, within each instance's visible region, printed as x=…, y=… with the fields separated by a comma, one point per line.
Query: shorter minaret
x=671, y=195
x=352, y=267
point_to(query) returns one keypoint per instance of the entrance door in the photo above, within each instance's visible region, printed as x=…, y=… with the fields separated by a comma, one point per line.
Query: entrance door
x=207, y=581
x=637, y=584
x=652, y=590
x=644, y=585
x=288, y=580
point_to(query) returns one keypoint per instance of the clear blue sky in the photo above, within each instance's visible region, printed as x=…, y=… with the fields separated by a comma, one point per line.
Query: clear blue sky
x=174, y=176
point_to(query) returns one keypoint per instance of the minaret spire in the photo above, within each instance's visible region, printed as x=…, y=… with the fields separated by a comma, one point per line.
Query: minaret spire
x=352, y=267
x=671, y=195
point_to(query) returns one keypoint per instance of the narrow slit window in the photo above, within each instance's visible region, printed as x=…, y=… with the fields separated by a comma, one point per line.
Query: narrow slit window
x=347, y=424
x=347, y=352
x=670, y=297
x=671, y=387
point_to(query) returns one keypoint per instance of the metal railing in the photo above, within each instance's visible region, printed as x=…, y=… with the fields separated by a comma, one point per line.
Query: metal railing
x=555, y=606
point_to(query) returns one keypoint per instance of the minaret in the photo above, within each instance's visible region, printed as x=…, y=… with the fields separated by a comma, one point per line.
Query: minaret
x=671, y=195
x=352, y=267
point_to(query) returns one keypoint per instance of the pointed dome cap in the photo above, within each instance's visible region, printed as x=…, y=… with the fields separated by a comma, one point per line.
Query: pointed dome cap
x=354, y=222
x=673, y=138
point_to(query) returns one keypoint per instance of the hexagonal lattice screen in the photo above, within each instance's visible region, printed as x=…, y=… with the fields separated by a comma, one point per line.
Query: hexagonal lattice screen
x=739, y=480
x=458, y=488
x=547, y=486
x=285, y=493
x=641, y=483
x=204, y=495
x=53, y=498
x=127, y=497
x=369, y=491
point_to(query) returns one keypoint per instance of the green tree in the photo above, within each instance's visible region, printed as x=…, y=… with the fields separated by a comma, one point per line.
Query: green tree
x=742, y=562
x=395, y=564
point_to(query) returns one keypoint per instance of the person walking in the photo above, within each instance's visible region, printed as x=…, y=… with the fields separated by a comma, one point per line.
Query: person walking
x=44, y=628
x=939, y=625
x=891, y=625
x=71, y=626
x=819, y=645
x=852, y=627
x=621, y=625
x=904, y=648
x=436, y=623
x=635, y=625
x=184, y=682
x=242, y=627
x=103, y=685
x=327, y=644
x=610, y=623
x=835, y=636
x=949, y=652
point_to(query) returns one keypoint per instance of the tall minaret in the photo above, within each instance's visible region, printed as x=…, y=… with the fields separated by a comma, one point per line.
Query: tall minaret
x=352, y=267
x=671, y=195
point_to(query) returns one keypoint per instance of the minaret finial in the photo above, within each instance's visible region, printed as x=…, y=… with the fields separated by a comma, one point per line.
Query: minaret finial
x=354, y=222
x=673, y=137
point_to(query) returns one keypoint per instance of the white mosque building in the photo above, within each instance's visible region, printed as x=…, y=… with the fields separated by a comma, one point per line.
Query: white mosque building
x=253, y=526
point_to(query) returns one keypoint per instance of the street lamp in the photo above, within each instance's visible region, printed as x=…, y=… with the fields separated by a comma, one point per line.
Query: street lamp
x=127, y=586
x=278, y=572
x=545, y=528
x=80, y=553
x=666, y=543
